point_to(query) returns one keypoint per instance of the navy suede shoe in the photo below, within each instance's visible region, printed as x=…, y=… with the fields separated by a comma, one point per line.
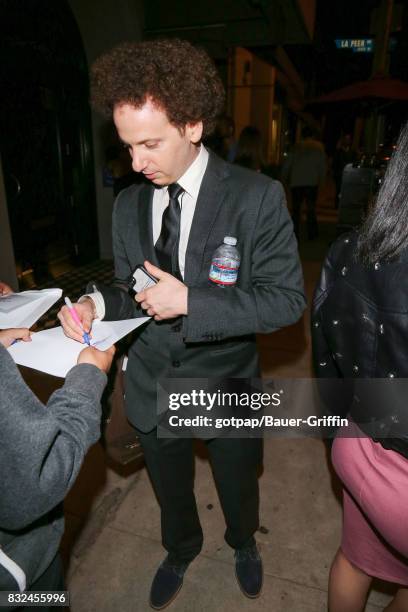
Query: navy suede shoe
x=166, y=584
x=248, y=570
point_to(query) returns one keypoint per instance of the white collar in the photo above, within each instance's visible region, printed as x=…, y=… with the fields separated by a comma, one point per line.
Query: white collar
x=191, y=180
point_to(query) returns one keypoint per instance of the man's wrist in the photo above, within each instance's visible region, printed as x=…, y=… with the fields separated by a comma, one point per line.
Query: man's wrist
x=98, y=304
x=88, y=300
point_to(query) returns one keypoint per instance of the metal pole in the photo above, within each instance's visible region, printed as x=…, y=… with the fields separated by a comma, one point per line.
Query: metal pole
x=383, y=37
x=380, y=67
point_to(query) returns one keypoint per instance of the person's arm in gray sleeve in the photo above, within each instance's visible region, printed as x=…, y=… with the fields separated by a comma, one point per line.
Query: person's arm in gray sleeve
x=42, y=447
x=275, y=298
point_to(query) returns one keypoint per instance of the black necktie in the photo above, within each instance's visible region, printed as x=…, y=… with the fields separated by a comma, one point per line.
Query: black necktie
x=168, y=243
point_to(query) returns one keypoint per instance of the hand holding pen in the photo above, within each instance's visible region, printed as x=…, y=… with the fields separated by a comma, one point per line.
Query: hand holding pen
x=85, y=335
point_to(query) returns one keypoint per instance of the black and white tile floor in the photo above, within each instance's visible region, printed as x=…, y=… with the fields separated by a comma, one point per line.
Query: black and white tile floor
x=73, y=284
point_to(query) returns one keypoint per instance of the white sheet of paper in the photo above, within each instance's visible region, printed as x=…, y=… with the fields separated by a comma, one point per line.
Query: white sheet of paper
x=52, y=352
x=25, y=308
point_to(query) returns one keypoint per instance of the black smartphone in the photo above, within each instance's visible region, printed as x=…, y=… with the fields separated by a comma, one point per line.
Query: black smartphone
x=140, y=280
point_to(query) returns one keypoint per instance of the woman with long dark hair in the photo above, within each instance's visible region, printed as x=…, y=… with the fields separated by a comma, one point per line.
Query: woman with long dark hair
x=360, y=332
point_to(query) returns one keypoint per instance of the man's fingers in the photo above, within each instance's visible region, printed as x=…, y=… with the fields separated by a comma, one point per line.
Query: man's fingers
x=69, y=320
x=70, y=328
x=140, y=297
x=154, y=271
x=87, y=323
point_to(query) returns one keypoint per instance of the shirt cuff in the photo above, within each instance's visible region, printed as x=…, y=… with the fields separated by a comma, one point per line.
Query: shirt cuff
x=99, y=302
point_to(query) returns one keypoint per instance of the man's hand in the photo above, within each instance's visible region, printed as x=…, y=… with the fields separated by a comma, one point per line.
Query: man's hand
x=8, y=336
x=167, y=299
x=85, y=312
x=101, y=359
x=5, y=289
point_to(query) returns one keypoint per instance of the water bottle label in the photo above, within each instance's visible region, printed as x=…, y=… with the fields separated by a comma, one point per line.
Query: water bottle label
x=223, y=275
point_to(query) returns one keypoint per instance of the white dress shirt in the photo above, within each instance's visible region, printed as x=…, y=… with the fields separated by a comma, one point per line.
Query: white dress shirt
x=190, y=181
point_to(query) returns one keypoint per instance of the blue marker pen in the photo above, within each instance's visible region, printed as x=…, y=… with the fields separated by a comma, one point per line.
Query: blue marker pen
x=74, y=315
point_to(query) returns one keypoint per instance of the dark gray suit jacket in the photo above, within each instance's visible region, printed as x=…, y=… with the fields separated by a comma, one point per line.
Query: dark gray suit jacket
x=217, y=337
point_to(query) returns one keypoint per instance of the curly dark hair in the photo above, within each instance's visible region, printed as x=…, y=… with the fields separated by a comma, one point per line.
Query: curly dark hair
x=180, y=78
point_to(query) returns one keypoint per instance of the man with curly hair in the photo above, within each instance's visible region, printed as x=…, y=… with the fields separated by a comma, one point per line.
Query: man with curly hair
x=165, y=97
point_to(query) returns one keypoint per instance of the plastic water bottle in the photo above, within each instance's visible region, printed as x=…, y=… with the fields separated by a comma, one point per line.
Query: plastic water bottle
x=225, y=263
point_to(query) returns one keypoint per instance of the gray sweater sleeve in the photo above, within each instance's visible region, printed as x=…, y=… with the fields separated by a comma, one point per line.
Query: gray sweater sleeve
x=42, y=447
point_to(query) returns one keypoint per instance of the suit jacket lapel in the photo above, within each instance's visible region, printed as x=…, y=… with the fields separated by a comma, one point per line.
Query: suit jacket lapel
x=211, y=195
x=146, y=223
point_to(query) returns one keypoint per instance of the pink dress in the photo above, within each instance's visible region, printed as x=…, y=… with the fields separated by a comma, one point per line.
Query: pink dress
x=375, y=508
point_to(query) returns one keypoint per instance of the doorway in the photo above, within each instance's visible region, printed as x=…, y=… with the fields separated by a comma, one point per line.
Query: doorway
x=46, y=139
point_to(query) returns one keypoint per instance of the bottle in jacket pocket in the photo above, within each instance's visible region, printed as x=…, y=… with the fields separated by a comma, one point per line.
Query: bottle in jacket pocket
x=225, y=263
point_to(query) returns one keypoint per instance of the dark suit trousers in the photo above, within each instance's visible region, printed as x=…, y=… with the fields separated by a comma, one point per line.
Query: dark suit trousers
x=234, y=462
x=309, y=195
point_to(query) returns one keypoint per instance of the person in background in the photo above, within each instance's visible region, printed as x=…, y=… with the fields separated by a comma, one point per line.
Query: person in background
x=249, y=149
x=41, y=452
x=360, y=332
x=304, y=171
x=343, y=155
x=118, y=172
x=250, y=152
x=222, y=141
